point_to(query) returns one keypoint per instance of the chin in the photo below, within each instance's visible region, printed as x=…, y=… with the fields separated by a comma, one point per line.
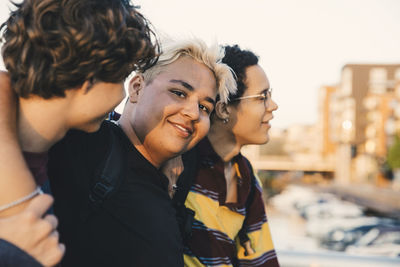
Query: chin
x=189, y=147
x=262, y=140
x=177, y=150
x=92, y=127
x=266, y=140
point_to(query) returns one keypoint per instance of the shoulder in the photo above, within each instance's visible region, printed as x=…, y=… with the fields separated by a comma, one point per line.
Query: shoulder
x=246, y=161
x=79, y=153
x=76, y=140
x=73, y=136
x=255, y=179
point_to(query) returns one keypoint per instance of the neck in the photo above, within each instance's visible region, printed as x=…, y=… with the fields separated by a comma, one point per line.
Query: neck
x=41, y=122
x=127, y=126
x=223, y=141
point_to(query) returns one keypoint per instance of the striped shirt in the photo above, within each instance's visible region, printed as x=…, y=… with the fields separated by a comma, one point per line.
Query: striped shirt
x=221, y=229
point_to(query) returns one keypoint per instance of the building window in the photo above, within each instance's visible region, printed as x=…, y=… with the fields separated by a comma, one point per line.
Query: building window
x=378, y=80
x=397, y=75
x=347, y=82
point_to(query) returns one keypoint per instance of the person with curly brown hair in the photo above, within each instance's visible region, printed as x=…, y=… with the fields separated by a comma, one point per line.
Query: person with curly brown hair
x=67, y=61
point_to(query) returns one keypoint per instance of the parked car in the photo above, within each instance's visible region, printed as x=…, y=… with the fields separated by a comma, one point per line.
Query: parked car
x=317, y=198
x=341, y=237
x=388, y=250
x=383, y=241
x=332, y=209
x=320, y=227
x=288, y=199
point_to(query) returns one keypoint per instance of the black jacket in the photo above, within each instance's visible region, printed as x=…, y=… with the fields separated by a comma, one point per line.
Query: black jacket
x=136, y=226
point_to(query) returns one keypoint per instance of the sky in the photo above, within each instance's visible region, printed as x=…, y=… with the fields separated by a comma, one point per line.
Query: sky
x=302, y=44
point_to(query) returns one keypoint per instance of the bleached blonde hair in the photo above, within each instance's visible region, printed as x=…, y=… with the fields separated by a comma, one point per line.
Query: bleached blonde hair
x=211, y=56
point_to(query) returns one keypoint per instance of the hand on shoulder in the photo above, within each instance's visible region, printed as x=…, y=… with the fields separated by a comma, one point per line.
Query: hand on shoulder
x=33, y=233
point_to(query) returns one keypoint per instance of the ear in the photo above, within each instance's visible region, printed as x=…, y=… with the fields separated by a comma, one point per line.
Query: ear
x=135, y=85
x=85, y=87
x=222, y=110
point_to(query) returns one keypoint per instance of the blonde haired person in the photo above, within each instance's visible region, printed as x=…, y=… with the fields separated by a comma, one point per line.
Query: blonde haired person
x=167, y=113
x=211, y=56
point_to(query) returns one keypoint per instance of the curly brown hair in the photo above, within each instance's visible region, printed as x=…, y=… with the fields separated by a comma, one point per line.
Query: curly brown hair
x=54, y=45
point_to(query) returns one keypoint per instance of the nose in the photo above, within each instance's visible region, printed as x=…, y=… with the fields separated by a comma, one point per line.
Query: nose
x=271, y=105
x=191, y=110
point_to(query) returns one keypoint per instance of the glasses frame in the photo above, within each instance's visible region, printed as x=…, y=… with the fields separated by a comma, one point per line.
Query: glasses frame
x=267, y=93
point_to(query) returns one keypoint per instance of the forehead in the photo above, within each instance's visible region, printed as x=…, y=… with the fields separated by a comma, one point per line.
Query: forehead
x=256, y=80
x=187, y=69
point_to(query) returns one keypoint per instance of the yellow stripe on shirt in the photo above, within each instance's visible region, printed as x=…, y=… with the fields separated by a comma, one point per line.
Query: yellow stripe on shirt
x=213, y=216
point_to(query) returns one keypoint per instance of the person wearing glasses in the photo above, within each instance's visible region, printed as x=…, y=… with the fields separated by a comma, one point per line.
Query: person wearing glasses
x=230, y=225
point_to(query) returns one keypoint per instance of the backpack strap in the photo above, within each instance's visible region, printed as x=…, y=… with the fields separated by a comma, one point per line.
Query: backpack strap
x=108, y=175
x=185, y=216
x=186, y=178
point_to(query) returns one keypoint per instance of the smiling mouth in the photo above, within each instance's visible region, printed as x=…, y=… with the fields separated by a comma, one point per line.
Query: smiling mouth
x=182, y=130
x=266, y=124
x=268, y=121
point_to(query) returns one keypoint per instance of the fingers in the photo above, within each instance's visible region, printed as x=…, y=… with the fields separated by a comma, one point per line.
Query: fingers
x=61, y=248
x=52, y=220
x=49, y=251
x=41, y=227
x=34, y=232
x=40, y=204
x=53, y=251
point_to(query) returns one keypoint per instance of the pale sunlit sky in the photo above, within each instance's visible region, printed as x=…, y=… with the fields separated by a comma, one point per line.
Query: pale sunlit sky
x=302, y=44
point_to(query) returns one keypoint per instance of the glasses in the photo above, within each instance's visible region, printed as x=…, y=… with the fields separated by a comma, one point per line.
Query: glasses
x=264, y=96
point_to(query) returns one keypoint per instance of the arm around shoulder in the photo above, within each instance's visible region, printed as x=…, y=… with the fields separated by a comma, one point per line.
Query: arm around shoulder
x=16, y=181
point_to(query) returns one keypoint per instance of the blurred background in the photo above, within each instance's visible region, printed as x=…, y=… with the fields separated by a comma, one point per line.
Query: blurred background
x=331, y=172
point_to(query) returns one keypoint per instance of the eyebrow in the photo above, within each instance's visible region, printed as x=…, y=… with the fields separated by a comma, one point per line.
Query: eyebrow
x=265, y=90
x=209, y=99
x=190, y=88
x=183, y=83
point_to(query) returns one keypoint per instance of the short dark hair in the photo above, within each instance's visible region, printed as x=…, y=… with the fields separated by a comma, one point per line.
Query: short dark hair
x=54, y=45
x=238, y=60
